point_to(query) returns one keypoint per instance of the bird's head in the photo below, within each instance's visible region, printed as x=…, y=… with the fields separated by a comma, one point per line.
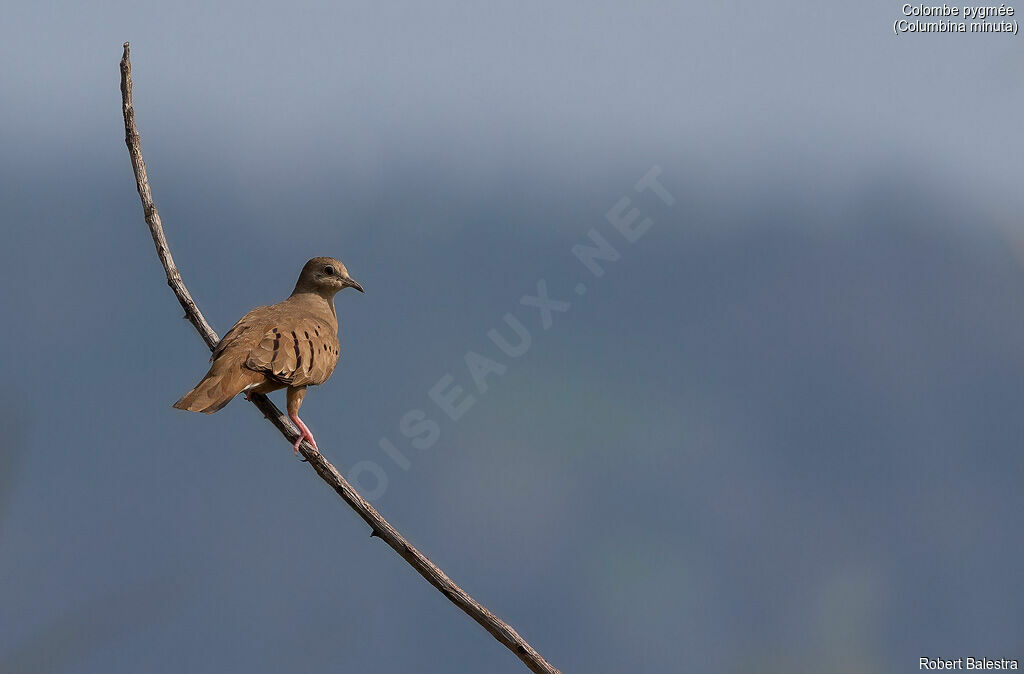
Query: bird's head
x=324, y=276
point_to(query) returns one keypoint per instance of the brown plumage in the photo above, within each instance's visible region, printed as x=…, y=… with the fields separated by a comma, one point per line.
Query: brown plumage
x=292, y=344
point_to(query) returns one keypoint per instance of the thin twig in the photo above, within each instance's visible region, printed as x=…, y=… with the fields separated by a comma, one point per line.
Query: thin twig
x=380, y=527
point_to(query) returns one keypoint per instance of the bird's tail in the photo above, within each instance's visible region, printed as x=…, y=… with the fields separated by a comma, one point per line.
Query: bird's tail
x=217, y=389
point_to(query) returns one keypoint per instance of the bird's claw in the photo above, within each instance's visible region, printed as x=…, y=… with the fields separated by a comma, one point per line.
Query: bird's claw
x=308, y=437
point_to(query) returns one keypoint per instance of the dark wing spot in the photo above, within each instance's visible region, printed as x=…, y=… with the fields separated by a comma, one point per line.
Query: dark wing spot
x=277, y=345
x=312, y=353
x=298, y=356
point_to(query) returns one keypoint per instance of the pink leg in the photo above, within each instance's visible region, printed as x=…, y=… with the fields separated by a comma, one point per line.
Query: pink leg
x=304, y=434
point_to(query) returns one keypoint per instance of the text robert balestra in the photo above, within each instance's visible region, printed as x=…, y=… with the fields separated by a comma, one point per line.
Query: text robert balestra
x=967, y=663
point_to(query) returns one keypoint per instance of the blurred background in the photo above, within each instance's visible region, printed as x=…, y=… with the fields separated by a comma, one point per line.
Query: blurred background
x=782, y=433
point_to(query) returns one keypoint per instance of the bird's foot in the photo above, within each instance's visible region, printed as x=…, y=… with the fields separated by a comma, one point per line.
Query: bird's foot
x=304, y=434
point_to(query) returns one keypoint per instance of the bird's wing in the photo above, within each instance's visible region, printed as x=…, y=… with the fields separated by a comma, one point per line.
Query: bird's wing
x=246, y=333
x=296, y=350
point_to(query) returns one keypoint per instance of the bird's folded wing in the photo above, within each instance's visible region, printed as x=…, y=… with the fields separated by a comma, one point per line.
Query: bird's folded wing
x=246, y=333
x=296, y=352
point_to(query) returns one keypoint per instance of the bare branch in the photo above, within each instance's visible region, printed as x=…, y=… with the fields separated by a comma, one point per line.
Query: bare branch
x=380, y=527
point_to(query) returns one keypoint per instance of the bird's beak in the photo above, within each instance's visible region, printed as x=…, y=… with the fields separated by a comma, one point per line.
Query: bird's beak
x=352, y=283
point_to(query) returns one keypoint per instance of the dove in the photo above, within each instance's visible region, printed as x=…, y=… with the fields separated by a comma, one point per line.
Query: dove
x=292, y=344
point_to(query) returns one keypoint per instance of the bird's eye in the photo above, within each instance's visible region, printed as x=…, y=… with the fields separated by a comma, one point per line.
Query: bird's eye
x=329, y=270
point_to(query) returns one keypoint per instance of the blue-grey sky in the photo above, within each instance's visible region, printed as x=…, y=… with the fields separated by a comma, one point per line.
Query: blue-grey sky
x=781, y=433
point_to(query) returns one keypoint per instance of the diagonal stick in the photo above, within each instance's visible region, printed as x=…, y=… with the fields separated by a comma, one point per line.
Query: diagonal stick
x=498, y=628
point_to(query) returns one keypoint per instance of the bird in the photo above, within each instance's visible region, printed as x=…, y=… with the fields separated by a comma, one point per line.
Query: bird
x=292, y=344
